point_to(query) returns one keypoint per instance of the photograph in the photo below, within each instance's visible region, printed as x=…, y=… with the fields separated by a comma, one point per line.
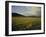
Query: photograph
x=24, y=18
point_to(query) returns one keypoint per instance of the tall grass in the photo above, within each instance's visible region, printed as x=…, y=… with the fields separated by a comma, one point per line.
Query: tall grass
x=25, y=23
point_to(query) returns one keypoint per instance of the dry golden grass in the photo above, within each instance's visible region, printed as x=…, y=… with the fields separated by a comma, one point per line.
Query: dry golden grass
x=25, y=22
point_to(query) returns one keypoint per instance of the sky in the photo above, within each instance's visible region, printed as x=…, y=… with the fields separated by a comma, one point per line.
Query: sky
x=27, y=10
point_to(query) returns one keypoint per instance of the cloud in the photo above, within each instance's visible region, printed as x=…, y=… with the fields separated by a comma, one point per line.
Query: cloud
x=36, y=11
x=27, y=10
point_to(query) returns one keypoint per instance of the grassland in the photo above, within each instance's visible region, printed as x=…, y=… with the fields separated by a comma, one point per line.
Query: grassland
x=26, y=23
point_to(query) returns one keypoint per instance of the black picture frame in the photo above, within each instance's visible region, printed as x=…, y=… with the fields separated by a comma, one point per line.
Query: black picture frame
x=7, y=17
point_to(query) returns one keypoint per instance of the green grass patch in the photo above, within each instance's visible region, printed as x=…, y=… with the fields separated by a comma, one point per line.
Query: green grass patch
x=23, y=23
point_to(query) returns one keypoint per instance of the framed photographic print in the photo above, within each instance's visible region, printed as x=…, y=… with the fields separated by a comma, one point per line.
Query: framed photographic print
x=24, y=18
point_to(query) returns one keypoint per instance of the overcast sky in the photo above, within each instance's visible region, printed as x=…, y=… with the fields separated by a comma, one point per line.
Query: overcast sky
x=27, y=10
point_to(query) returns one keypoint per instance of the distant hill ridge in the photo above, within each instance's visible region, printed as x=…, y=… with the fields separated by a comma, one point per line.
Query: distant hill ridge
x=16, y=14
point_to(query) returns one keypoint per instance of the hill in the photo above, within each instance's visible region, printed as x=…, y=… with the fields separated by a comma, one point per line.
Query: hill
x=16, y=14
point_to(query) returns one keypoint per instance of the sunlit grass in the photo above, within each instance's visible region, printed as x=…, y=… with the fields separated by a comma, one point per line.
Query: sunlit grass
x=22, y=23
